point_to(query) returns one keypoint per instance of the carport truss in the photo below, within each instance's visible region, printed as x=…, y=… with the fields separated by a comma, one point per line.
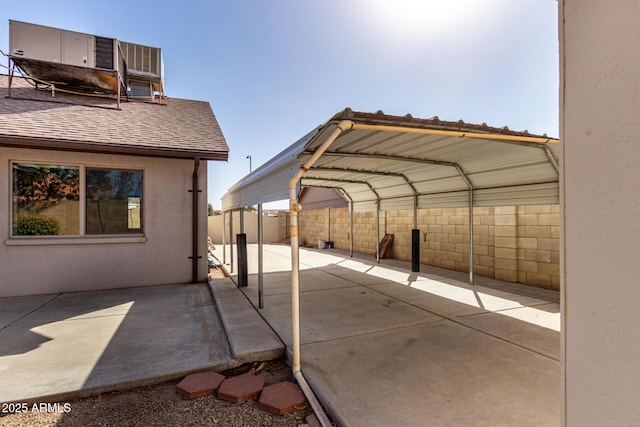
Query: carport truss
x=381, y=162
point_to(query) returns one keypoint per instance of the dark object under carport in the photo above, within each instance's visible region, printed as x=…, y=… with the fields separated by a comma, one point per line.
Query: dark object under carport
x=243, y=277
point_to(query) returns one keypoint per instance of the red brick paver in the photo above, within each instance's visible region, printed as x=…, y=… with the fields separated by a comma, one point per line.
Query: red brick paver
x=241, y=388
x=281, y=398
x=199, y=384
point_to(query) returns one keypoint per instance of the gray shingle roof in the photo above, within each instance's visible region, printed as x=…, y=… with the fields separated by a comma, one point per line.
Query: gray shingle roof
x=179, y=128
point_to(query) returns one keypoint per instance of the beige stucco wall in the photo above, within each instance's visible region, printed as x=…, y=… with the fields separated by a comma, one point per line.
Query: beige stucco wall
x=511, y=243
x=269, y=227
x=600, y=132
x=47, y=265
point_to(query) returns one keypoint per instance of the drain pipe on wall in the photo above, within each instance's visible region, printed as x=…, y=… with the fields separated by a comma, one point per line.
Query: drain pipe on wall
x=195, y=218
x=295, y=207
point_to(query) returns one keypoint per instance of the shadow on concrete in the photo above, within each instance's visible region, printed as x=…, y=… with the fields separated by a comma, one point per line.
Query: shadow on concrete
x=385, y=346
x=83, y=343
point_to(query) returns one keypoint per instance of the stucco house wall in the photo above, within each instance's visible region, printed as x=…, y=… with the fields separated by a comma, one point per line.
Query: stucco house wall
x=37, y=265
x=270, y=232
x=169, y=140
x=600, y=131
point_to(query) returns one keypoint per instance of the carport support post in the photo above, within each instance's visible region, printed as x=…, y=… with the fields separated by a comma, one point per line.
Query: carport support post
x=260, y=282
x=231, y=242
x=470, y=186
x=241, y=245
x=415, y=238
x=378, y=231
x=471, y=236
x=295, y=271
x=351, y=228
x=241, y=242
x=224, y=240
x=295, y=278
x=415, y=250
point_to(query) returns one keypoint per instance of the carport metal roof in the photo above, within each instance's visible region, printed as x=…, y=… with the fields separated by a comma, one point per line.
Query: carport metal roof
x=407, y=163
x=388, y=162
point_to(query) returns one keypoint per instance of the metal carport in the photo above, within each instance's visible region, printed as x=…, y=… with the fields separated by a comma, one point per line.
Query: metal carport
x=381, y=162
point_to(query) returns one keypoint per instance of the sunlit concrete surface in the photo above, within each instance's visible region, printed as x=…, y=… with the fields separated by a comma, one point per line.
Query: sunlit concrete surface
x=382, y=345
x=73, y=344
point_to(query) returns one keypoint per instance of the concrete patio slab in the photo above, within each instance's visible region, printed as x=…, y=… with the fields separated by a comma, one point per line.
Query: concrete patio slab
x=84, y=305
x=381, y=345
x=535, y=328
x=14, y=308
x=250, y=337
x=83, y=343
x=313, y=279
x=337, y=313
x=405, y=348
x=355, y=274
x=436, y=374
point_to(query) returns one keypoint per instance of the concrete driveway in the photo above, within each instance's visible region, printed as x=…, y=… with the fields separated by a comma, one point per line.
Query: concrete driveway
x=61, y=346
x=380, y=345
x=384, y=346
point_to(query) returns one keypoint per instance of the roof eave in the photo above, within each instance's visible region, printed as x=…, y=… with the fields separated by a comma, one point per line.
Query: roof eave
x=97, y=147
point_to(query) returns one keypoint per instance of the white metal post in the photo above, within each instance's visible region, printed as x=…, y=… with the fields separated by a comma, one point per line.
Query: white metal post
x=224, y=243
x=260, y=281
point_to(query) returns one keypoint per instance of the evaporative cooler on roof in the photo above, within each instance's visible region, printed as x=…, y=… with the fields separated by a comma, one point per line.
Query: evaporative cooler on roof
x=144, y=70
x=67, y=59
x=84, y=61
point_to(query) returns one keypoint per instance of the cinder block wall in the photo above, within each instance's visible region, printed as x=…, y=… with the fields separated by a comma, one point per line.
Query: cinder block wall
x=283, y=226
x=511, y=243
x=312, y=227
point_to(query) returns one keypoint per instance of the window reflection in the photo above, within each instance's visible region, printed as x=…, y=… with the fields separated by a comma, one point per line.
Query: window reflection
x=114, y=201
x=45, y=200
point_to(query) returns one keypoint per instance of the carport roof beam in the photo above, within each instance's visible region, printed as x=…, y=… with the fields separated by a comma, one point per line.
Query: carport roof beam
x=345, y=194
x=385, y=157
x=370, y=172
x=552, y=159
x=381, y=173
x=461, y=134
x=347, y=181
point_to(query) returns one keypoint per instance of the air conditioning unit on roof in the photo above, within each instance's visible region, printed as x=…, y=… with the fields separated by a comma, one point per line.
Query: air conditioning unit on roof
x=85, y=61
x=66, y=58
x=145, y=69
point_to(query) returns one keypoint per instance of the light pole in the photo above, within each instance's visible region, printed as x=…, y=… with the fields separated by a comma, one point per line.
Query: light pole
x=250, y=168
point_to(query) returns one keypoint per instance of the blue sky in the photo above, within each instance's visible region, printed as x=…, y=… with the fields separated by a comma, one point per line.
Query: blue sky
x=272, y=70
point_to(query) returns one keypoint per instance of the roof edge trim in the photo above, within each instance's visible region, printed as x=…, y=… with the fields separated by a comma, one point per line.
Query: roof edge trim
x=461, y=134
x=93, y=147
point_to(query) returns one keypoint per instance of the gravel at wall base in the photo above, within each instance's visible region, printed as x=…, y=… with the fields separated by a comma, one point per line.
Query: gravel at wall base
x=161, y=405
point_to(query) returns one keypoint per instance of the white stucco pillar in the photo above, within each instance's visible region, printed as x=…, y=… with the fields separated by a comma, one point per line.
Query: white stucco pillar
x=600, y=211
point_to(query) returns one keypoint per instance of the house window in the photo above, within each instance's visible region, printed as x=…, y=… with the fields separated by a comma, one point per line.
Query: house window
x=47, y=200
x=113, y=201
